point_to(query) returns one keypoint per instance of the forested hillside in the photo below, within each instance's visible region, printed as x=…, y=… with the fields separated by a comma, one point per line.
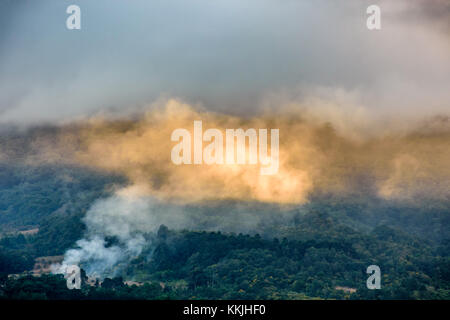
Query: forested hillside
x=212, y=265
x=30, y=194
x=321, y=251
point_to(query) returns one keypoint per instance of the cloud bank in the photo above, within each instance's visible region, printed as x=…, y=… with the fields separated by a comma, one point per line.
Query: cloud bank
x=231, y=56
x=315, y=156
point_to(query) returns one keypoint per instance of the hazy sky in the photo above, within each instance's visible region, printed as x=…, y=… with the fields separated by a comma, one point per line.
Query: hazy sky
x=229, y=55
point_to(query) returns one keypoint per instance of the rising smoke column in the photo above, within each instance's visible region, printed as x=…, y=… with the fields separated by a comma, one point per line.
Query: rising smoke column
x=406, y=166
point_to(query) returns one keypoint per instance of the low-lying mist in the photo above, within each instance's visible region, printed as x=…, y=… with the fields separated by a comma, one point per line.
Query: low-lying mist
x=319, y=155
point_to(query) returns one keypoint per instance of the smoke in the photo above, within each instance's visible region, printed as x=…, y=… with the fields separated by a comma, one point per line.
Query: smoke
x=320, y=150
x=114, y=235
x=314, y=156
x=326, y=154
x=121, y=227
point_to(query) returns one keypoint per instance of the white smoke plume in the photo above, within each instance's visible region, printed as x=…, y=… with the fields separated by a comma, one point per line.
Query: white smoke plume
x=131, y=218
x=123, y=217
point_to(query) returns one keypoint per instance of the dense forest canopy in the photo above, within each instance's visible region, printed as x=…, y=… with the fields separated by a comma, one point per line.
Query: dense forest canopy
x=326, y=244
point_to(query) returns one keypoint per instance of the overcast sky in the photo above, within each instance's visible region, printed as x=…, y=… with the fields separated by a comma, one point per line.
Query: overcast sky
x=229, y=55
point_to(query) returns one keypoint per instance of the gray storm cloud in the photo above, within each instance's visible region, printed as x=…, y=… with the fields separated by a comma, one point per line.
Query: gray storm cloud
x=228, y=55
